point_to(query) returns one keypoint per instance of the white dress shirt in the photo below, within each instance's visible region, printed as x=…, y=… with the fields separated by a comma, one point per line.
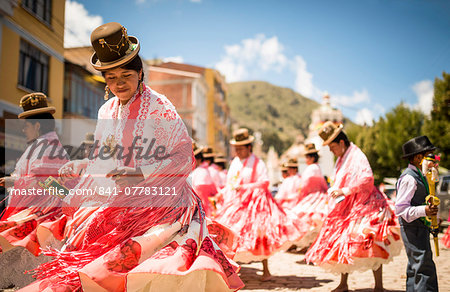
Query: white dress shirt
x=406, y=187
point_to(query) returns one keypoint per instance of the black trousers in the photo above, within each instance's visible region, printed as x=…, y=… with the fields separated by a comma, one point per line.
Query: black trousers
x=421, y=271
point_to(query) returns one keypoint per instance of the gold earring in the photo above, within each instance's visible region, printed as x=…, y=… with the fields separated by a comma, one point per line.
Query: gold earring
x=141, y=87
x=106, y=96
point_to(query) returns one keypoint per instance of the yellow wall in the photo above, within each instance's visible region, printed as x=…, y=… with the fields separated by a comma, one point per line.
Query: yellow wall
x=9, y=67
x=211, y=123
x=52, y=37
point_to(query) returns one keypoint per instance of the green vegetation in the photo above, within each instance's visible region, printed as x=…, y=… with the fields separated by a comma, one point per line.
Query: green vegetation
x=382, y=143
x=280, y=114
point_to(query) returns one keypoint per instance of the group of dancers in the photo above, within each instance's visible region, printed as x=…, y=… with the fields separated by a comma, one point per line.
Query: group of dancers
x=347, y=227
x=192, y=239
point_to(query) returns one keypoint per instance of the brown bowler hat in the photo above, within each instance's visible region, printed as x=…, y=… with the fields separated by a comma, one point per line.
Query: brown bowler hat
x=310, y=148
x=33, y=104
x=219, y=157
x=113, y=47
x=89, y=139
x=329, y=131
x=241, y=137
x=196, y=148
x=208, y=152
x=292, y=162
x=283, y=167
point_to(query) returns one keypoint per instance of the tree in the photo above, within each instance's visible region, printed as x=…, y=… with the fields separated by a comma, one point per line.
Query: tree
x=438, y=127
x=270, y=137
x=399, y=126
x=382, y=143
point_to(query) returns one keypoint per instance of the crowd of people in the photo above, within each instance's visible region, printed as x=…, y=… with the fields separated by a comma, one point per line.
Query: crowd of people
x=209, y=218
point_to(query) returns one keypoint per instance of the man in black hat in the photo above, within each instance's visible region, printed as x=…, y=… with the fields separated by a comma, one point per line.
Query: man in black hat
x=412, y=189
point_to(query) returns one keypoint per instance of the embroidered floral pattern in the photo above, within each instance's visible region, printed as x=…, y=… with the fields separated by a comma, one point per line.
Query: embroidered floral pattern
x=218, y=234
x=170, y=115
x=6, y=225
x=161, y=134
x=123, y=259
x=24, y=229
x=188, y=251
x=208, y=247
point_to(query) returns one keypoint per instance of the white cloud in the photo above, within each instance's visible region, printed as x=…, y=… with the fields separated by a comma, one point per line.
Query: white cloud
x=356, y=98
x=232, y=70
x=140, y=1
x=364, y=116
x=425, y=92
x=252, y=57
x=303, y=78
x=79, y=25
x=175, y=59
x=196, y=1
x=254, y=54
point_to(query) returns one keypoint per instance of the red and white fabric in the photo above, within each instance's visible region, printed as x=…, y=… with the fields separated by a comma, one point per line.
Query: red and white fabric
x=362, y=231
x=34, y=221
x=250, y=210
x=204, y=186
x=313, y=204
x=137, y=243
x=289, y=191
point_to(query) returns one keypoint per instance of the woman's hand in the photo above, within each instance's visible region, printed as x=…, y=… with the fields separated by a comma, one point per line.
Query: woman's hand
x=337, y=193
x=72, y=169
x=126, y=176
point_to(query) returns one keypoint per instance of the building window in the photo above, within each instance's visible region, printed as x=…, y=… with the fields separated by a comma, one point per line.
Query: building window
x=33, y=68
x=82, y=97
x=42, y=9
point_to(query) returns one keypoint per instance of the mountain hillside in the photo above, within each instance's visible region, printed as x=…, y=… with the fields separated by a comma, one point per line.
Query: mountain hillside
x=280, y=114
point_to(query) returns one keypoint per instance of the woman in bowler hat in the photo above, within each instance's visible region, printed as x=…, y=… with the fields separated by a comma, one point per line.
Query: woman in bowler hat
x=360, y=232
x=32, y=222
x=146, y=229
x=264, y=228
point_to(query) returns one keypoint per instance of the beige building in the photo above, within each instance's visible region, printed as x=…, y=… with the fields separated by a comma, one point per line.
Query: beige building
x=185, y=86
x=199, y=95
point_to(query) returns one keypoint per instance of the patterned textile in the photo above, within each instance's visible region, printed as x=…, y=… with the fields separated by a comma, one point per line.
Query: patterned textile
x=204, y=187
x=132, y=242
x=250, y=211
x=362, y=231
x=289, y=191
x=34, y=221
x=312, y=204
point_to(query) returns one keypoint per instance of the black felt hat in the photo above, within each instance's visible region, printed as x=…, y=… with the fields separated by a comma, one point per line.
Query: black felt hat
x=417, y=145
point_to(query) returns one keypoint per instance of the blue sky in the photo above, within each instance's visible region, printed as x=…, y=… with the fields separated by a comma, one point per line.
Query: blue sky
x=368, y=55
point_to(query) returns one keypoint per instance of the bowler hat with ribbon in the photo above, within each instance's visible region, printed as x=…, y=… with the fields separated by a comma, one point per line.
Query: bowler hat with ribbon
x=89, y=139
x=208, y=152
x=417, y=145
x=113, y=46
x=241, y=137
x=329, y=131
x=310, y=148
x=292, y=162
x=33, y=104
x=196, y=148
